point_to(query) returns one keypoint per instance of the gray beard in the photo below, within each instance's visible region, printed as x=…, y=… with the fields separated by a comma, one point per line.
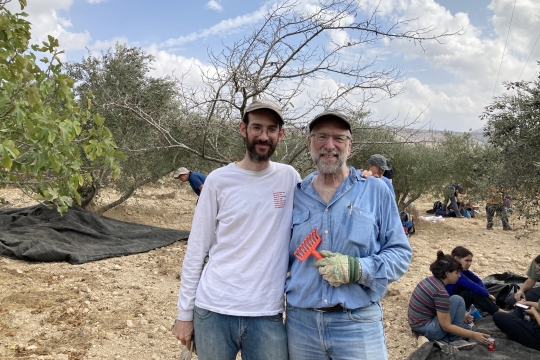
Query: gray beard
x=328, y=168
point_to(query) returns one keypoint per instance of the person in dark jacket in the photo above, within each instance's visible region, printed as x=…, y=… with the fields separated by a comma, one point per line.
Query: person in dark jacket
x=451, y=193
x=525, y=332
x=469, y=286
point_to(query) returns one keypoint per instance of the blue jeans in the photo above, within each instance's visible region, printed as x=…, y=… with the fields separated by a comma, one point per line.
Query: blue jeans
x=345, y=335
x=221, y=336
x=433, y=331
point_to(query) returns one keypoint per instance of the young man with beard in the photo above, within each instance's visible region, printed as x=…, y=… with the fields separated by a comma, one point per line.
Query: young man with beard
x=333, y=304
x=243, y=223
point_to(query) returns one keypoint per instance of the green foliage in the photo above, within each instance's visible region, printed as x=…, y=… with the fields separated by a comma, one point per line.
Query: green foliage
x=144, y=114
x=513, y=129
x=421, y=167
x=48, y=145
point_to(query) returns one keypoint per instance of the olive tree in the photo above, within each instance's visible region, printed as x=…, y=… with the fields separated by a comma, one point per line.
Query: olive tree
x=281, y=59
x=424, y=167
x=48, y=144
x=513, y=131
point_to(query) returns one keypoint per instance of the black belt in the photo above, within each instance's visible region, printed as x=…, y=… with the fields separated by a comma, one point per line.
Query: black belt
x=334, y=308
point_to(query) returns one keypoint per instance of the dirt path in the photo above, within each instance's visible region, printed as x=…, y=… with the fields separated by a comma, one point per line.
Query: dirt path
x=123, y=308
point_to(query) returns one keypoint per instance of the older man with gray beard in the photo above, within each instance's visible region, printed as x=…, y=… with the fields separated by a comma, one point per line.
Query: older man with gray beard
x=333, y=304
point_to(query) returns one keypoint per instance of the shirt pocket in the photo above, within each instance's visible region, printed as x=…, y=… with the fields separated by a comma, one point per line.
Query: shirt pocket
x=299, y=219
x=301, y=227
x=360, y=231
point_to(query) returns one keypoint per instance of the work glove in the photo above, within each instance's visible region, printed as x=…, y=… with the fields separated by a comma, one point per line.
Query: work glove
x=339, y=269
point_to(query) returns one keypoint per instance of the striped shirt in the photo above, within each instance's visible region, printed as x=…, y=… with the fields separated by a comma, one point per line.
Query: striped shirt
x=428, y=297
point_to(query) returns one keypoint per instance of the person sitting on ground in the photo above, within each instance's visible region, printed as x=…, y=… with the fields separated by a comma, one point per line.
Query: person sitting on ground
x=451, y=193
x=377, y=165
x=525, y=332
x=196, y=179
x=435, y=314
x=528, y=292
x=469, y=286
x=495, y=204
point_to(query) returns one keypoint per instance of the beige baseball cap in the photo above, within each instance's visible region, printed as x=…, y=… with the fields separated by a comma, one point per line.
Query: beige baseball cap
x=264, y=104
x=180, y=171
x=330, y=114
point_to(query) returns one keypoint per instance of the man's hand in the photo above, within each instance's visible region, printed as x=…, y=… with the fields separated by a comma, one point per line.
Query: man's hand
x=339, y=269
x=519, y=295
x=366, y=173
x=492, y=298
x=183, y=330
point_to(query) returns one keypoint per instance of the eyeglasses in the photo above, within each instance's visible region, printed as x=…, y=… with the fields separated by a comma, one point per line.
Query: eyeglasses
x=257, y=130
x=323, y=138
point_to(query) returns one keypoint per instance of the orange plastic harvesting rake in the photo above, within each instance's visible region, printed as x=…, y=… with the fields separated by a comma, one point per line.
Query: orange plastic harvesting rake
x=307, y=247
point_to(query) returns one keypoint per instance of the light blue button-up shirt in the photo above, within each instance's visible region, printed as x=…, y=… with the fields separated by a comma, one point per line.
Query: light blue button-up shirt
x=361, y=220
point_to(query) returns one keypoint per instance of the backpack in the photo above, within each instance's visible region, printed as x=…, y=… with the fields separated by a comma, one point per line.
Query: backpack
x=502, y=293
x=438, y=207
x=407, y=221
x=503, y=286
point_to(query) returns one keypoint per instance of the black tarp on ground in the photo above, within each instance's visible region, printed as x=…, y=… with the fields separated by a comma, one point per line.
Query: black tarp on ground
x=506, y=277
x=487, y=326
x=504, y=350
x=40, y=234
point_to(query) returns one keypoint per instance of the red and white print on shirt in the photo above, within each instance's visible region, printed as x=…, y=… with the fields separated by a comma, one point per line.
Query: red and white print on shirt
x=279, y=199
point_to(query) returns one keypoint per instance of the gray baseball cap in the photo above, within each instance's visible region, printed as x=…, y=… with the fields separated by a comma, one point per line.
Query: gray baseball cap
x=328, y=115
x=264, y=104
x=378, y=161
x=180, y=171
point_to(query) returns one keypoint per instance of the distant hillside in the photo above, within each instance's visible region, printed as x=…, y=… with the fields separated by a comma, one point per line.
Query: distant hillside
x=434, y=135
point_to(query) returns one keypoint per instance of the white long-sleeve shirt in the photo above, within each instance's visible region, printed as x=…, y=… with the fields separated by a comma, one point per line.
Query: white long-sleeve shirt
x=243, y=222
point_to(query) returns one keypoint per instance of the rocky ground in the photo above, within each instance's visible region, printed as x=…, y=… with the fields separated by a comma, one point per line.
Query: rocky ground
x=123, y=308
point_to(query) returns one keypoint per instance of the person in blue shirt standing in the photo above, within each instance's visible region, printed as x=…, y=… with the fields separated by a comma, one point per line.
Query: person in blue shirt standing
x=333, y=304
x=378, y=166
x=196, y=179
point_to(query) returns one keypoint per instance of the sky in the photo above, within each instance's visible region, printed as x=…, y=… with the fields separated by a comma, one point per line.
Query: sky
x=446, y=85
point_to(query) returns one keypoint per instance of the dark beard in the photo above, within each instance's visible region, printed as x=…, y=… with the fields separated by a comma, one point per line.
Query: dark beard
x=258, y=157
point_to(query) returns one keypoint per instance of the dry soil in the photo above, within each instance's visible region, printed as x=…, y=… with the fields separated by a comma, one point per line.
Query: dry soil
x=123, y=308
